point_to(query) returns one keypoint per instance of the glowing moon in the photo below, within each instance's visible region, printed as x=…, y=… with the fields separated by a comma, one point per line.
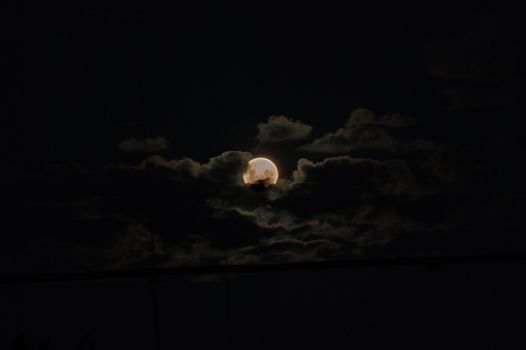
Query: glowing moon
x=261, y=171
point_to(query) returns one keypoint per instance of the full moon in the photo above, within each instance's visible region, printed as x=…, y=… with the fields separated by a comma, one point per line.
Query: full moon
x=261, y=171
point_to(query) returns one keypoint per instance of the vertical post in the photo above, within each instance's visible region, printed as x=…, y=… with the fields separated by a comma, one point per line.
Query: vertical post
x=153, y=282
x=228, y=307
x=155, y=312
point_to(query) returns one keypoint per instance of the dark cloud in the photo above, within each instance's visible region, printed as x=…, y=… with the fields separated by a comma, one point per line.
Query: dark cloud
x=178, y=196
x=478, y=66
x=280, y=128
x=485, y=49
x=106, y=219
x=363, y=131
x=331, y=208
x=151, y=144
x=165, y=212
x=365, y=117
x=345, y=202
x=227, y=168
x=345, y=140
x=286, y=250
x=135, y=245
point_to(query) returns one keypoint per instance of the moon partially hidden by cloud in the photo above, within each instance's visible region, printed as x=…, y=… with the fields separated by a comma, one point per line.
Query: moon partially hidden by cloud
x=260, y=171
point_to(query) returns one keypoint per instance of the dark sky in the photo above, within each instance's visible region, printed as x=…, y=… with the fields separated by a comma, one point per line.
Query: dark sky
x=398, y=131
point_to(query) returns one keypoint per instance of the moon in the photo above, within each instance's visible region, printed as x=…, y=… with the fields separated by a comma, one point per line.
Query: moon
x=261, y=171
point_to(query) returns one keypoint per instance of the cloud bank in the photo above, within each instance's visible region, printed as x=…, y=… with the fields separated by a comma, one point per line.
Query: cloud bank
x=334, y=204
x=280, y=129
x=362, y=131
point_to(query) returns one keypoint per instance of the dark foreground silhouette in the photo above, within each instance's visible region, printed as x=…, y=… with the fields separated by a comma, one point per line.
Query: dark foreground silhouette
x=26, y=342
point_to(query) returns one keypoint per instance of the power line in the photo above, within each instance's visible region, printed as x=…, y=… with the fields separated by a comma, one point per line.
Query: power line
x=238, y=269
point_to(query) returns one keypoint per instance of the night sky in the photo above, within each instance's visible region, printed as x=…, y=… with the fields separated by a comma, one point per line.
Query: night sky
x=397, y=132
